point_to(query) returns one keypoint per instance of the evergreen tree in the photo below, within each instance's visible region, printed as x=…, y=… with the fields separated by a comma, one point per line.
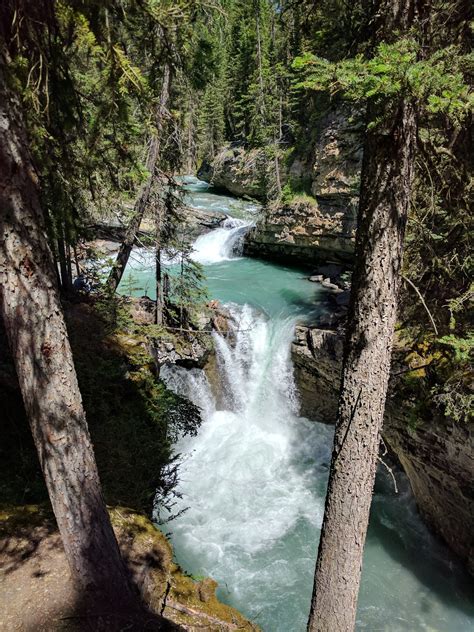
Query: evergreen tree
x=398, y=83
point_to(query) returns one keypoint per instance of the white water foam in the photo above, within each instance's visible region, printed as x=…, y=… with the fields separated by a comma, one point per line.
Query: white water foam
x=241, y=485
x=221, y=244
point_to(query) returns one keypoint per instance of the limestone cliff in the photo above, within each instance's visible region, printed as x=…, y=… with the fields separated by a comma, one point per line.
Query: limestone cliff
x=437, y=455
x=319, y=225
x=321, y=228
x=303, y=231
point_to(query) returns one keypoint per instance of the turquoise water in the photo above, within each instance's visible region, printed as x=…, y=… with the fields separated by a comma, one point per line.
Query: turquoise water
x=277, y=291
x=255, y=476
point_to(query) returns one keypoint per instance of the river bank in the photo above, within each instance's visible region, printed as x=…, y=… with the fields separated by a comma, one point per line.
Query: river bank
x=254, y=480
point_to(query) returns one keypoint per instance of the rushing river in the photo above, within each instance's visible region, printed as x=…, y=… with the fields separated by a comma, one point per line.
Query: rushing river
x=254, y=478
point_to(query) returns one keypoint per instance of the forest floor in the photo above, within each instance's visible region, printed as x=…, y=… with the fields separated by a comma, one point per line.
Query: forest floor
x=37, y=593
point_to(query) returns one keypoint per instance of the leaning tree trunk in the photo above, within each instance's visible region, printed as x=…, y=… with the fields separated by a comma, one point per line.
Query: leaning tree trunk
x=36, y=331
x=158, y=268
x=143, y=200
x=387, y=174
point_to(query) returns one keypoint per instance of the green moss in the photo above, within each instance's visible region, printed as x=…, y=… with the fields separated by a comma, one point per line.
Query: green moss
x=436, y=377
x=298, y=189
x=14, y=518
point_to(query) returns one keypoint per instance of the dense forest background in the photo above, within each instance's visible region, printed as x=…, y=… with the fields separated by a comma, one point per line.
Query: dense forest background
x=91, y=83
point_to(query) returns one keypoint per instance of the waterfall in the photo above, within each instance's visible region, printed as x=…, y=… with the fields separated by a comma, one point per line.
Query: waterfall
x=242, y=481
x=253, y=480
x=222, y=243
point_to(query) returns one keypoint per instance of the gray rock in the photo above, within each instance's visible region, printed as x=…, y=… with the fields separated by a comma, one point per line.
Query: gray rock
x=331, y=286
x=437, y=455
x=236, y=171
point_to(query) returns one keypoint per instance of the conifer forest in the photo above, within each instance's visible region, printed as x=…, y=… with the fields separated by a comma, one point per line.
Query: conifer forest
x=236, y=316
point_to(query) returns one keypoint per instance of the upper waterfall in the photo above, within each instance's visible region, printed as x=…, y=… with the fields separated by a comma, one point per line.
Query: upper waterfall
x=222, y=243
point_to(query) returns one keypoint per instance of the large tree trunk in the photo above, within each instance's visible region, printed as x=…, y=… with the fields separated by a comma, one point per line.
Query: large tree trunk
x=34, y=322
x=387, y=173
x=158, y=268
x=384, y=202
x=143, y=200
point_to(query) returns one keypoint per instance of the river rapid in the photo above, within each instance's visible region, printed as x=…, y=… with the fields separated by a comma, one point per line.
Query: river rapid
x=253, y=480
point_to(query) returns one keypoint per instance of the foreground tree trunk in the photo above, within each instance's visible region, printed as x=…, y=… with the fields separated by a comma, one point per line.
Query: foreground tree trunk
x=387, y=174
x=158, y=270
x=34, y=322
x=384, y=203
x=144, y=198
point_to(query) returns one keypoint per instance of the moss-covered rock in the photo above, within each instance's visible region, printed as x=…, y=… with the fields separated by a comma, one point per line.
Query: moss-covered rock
x=165, y=588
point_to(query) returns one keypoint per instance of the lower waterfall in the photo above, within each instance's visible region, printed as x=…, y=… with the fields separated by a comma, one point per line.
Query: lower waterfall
x=244, y=482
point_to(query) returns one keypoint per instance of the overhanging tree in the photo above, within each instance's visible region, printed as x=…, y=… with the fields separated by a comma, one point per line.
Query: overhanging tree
x=36, y=331
x=396, y=83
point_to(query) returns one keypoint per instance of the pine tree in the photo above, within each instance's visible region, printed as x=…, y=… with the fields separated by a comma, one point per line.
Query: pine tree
x=36, y=331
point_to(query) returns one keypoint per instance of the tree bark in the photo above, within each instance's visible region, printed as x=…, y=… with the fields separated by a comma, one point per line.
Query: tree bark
x=36, y=331
x=387, y=174
x=158, y=269
x=142, y=202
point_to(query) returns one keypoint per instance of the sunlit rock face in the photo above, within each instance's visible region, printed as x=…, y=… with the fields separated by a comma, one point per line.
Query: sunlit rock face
x=319, y=227
x=304, y=232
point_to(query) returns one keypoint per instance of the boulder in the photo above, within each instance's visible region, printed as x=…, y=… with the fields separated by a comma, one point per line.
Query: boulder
x=332, y=287
x=236, y=171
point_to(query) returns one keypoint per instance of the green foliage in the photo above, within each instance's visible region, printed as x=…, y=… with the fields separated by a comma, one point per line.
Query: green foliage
x=435, y=82
x=462, y=348
x=188, y=292
x=113, y=311
x=455, y=403
x=297, y=188
x=89, y=75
